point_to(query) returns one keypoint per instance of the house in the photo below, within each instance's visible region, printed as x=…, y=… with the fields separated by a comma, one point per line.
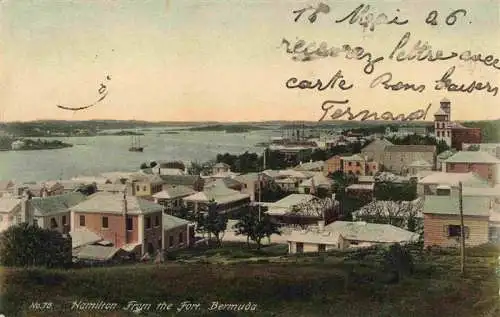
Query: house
x=53, y=212
x=332, y=165
x=228, y=182
x=10, y=212
x=442, y=220
x=193, y=181
x=221, y=168
x=63, y=186
x=171, y=196
x=302, y=209
x=306, y=241
x=316, y=166
x=358, y=165
x=227, y=200
x=311, y=185
x=375, y=150
x=177, y=233
x=419, y=166
x=360, y=233
x=250, y=183
x=491, y=148
x=145, y=186
x=428, y=184
x=398, y=158
x=482, y=163
x=441, y=158
x=39, y=189
x=128, y=222
x=7, y=188
x=288, y=184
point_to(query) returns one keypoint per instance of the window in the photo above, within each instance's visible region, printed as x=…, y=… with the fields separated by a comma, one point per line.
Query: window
x=349, y=163
x=64, y=221
x=144, y=188
x=137, y=188
x=18, y=218
x=181, y=237
x=299, y=247
x=170, y=241
x=438, y=134
x=148, y=222
x=53, y=223
x=160, y=246
x=157, y=221
x=130, y=223
x=321, y=248
x=358, y=164
x=35, y=222
x=307, y=190
x=448, y=133
x=105, y=224
x=82, y=221
x=453, y=231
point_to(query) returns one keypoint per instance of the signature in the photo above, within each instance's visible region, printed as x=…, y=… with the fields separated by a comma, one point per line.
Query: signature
x=103, y=92
x=419, y=114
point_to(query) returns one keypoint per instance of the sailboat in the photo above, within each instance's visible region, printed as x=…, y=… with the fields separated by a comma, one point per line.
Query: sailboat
x=136, y=144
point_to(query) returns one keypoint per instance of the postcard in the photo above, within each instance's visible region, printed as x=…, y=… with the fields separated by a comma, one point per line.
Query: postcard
x=249, y=158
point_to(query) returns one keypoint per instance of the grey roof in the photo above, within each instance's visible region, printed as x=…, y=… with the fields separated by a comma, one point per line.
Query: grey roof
x=377, y=144
x=309, y=166
x=111, y=187
x=222, y=165
x=410, y=148
x=371, y=232
x=171, y=222
x=113, y=203
x=226, y=181
x=446, y=154
x=472, y=157
x=187, y=180
x=97, y=252
x=82, y=236
x=44, y=206
x=247, y=178
x=318, y=180
x=218, y=192
x=443, y=178
x=174, y=191
x=292, y=200
x=449, y=205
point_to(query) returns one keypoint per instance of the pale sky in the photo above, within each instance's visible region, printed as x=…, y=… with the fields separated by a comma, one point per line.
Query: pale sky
x=187, y=60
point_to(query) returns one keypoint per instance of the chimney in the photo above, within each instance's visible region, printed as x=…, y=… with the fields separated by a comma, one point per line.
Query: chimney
x=25, y=207
x=321, y=225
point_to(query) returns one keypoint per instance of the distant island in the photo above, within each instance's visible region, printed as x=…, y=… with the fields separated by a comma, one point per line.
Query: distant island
x=120, y=133
x=168, y=132
x=236, y=128
x=10, y=144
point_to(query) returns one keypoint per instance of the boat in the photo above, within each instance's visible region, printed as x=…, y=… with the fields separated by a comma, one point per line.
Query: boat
x=136, y=145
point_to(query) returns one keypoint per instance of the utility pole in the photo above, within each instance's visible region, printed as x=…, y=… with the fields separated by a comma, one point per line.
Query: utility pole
x=462, y=231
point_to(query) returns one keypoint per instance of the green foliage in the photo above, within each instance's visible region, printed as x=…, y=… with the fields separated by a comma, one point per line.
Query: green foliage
x=212, y=222
x=26, y=245
x=255, y=229
x=416, y=139
x=394, y=191
x=272, y=193
x=398, y=260
x=87, y=190
x=144, y=166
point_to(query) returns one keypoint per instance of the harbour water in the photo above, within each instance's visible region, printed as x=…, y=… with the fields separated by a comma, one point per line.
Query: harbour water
x=95, y=155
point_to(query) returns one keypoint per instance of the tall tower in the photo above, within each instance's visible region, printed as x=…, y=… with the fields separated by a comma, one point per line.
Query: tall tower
x=442, y=124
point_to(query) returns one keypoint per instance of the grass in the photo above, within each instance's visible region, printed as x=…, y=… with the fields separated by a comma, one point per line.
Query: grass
x=308, y=285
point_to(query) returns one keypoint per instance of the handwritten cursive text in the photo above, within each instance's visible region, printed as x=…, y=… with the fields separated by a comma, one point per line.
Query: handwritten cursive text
x=363, y=115
x=336, y=80
x=446, y=83
x=385, y=80
x=367, y=19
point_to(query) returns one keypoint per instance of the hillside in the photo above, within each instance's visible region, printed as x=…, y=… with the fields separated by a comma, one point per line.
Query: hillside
x=337, y=284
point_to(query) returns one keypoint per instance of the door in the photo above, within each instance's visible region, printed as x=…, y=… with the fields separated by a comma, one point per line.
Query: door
x=299, y=248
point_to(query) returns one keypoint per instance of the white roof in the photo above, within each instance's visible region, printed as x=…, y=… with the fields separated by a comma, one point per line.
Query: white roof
x=83, y=236
x=316, y=237
x=371, y=232
x=103, y=202
x=286, y=204
x=361, y=186
x=319, y=180
x=452, y=179
x=219, y=193
x=472, y=157
x=7, y=204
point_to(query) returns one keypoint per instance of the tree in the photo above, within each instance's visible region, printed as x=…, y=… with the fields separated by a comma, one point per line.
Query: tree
x=212, y=222
x=27, y=245
x=153, y=164
x=144, y=166
x=398, y=260
x=254, y=229
x=88, y=189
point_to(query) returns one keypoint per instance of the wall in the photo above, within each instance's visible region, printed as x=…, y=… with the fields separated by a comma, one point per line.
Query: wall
x=486, y=171
x=395, y=161
x=332, y=165
x=460, y=136
x=354, y=167
x=153, y=235
x=308, y=247
x=46, y=223
x=434, y=230
x=116, y=227
x=174, y=234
